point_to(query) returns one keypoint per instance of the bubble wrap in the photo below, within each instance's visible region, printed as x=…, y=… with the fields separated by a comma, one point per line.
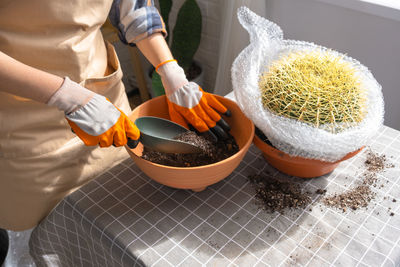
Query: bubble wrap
x=288, y=135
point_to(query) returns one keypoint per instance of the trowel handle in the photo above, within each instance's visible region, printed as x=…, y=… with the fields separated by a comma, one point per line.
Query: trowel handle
x=132, y=143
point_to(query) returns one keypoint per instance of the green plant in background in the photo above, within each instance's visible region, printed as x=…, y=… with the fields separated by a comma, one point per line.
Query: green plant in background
x=318, y=88
x=186, y=36
x=165, y=8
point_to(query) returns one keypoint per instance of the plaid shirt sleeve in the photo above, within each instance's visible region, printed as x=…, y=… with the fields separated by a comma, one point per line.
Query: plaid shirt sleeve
x=136, y=20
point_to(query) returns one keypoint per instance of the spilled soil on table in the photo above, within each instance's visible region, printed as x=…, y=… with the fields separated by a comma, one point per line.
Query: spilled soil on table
x=274, y=195
x=362, y=194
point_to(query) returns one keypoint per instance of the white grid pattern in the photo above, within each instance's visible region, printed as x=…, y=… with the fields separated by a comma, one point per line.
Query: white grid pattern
x=125, y=219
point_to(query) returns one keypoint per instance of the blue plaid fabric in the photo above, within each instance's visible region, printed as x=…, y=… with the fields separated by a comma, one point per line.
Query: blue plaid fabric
x=136, y=19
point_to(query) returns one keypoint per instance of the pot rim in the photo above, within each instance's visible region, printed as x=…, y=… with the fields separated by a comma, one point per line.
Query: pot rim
x=241, y=150
x=286, y=157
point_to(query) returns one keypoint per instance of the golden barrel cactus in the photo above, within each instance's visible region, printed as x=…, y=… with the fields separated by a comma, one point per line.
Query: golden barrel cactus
x=315, y=87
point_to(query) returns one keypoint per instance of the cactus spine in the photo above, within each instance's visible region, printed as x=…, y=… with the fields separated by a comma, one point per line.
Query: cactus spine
x=315, y=87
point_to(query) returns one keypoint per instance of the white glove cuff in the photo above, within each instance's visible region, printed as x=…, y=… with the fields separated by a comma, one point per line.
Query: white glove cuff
x=96, y=117
x=187, y=96
x=172, y=76
x=70, y=96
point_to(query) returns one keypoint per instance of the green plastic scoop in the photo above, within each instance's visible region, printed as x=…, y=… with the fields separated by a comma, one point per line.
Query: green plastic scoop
x=158, y=134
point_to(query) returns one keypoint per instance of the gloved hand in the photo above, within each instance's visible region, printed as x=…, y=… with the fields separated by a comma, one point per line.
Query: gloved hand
x=189, y=104
x=94, y=119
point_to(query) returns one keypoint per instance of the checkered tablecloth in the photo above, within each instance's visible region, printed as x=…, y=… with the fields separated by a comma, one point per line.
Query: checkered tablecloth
x=123, y=218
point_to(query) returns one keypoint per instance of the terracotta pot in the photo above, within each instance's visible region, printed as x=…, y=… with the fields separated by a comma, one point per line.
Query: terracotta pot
x=297, y=166
x=194, y=178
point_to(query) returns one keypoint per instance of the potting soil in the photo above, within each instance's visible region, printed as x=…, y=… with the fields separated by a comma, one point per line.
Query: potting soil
x=273, y=195
x=278, y=196
x=212, y=152
x=362, y=194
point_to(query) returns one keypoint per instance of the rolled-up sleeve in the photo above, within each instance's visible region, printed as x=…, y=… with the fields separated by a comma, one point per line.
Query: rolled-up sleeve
x=136, y=19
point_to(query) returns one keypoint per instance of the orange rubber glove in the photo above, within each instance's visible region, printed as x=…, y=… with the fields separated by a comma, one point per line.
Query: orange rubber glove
x=189, y=104
x=94, y=119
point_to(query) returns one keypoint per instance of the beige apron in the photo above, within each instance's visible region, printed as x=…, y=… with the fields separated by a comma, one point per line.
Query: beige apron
x=41, y=161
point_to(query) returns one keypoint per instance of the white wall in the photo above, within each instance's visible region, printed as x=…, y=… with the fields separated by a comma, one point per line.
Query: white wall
x=373, y=39
x=233, y=38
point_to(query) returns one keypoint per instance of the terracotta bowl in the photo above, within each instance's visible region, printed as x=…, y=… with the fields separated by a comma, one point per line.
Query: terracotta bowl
x=297, y=166
x=194, y=178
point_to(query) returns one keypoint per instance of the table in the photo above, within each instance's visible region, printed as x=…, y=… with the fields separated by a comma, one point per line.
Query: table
x=123, y=218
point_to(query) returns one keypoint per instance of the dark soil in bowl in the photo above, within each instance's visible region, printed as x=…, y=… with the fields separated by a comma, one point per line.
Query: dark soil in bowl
x=212, y=152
